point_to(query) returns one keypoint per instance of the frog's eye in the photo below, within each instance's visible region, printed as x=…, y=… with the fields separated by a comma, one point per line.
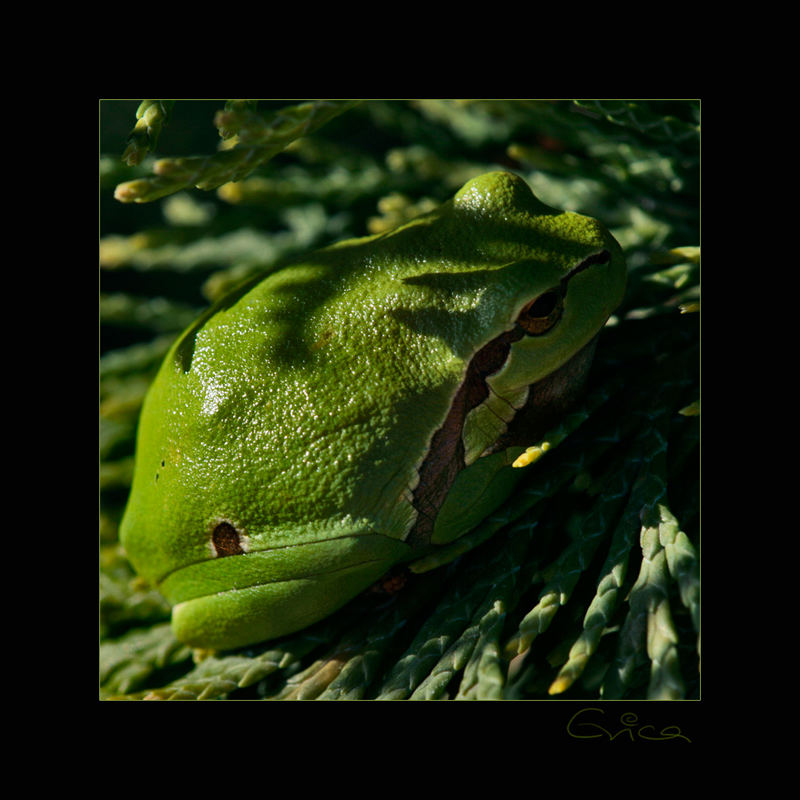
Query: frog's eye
x=226, y=540
x=542, y=314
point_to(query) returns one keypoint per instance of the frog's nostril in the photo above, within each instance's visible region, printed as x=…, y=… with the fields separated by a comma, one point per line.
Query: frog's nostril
x=225, y=539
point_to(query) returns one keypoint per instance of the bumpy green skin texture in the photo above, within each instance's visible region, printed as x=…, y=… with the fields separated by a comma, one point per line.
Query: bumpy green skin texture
x=300, y=408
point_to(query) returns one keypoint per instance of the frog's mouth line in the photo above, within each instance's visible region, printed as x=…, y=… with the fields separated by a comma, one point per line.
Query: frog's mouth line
x=246, y=570
x=230, y=616
x=299, y=577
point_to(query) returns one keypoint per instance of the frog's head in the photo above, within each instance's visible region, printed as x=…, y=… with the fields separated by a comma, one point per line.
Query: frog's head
x=556, y=275
x=299, y=432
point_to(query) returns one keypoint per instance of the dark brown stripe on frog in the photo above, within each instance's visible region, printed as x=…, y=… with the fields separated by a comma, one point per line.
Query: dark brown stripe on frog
x=603, y=257
x=547, y=401
x=445, y=457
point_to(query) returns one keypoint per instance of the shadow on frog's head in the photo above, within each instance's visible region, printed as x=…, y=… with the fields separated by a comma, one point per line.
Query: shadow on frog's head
x=492, y=246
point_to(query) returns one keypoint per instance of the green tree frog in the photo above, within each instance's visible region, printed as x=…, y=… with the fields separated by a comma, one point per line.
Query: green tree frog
x=361, y=407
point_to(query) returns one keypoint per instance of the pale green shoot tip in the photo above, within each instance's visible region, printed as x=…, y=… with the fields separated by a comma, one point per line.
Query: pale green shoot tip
x=531, y=455
x=559, y=685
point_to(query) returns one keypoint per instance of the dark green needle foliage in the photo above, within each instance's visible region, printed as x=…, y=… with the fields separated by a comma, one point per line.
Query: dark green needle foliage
x=586, y=584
